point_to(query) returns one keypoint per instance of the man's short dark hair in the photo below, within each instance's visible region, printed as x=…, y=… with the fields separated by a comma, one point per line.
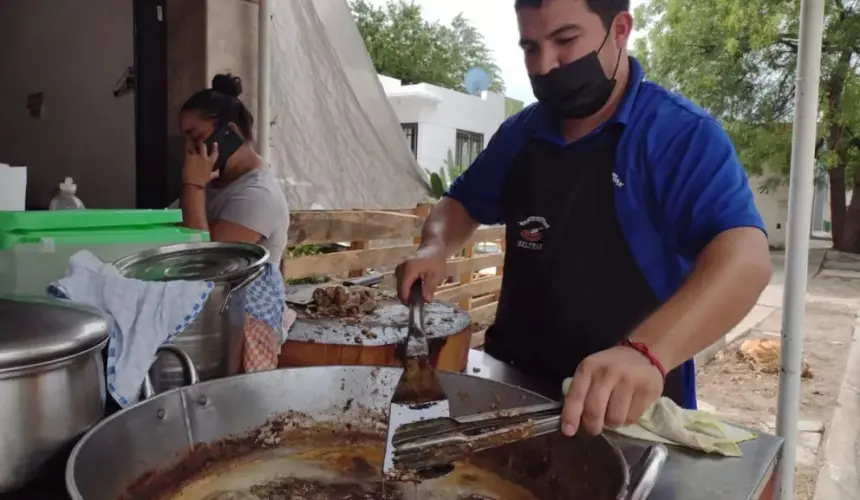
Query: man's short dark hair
x=606, y=9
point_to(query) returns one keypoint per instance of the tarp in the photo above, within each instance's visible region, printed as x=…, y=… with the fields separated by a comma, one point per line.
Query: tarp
x=336, y=140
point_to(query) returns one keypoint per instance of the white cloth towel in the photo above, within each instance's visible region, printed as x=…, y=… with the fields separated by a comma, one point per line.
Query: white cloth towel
x=145, y=314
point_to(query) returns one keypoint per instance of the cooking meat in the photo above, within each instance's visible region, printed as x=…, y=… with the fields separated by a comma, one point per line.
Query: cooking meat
x=232, y=495
x=341, y=302
x=303, y=489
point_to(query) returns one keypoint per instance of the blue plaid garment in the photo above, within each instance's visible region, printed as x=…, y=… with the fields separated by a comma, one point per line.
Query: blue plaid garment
x=265, y=299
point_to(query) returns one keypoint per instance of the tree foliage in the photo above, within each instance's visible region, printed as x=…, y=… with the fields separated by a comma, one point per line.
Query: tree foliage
x=403, y=45
x=738, y=59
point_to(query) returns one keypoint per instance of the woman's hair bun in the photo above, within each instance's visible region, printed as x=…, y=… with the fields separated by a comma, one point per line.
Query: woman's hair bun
x=227, y=84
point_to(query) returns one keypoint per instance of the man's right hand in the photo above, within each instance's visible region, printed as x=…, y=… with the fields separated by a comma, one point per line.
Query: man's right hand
x=429, y=264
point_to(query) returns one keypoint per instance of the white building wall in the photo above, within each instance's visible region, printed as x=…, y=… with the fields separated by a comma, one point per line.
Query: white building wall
x=434, y=141
x=439, y=113
x=773, y=207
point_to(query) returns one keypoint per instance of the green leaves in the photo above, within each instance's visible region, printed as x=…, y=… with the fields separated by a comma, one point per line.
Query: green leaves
x=737, y=59
x=403, y=45
x=437, y=185
x=441, y=181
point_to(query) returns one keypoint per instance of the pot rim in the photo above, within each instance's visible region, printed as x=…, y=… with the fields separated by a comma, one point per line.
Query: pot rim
x=44, y=329
x=199, y=390
x=44, y=366
x=262, y=258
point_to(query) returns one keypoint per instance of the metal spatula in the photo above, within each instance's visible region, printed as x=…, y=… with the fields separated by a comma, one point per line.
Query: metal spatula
x=442, y=441
x=419, y=395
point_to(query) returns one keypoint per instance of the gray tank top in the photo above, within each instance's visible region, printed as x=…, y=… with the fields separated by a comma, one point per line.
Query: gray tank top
x=256, y=201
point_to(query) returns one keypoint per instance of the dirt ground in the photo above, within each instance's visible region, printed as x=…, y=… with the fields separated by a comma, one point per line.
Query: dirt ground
x=746, y=397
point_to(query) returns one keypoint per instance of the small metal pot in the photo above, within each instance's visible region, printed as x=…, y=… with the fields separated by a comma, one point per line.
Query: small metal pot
x=52, y=386
x=214, y=339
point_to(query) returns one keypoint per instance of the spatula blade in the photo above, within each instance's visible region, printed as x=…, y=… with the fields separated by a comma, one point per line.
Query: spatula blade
x=405, y=413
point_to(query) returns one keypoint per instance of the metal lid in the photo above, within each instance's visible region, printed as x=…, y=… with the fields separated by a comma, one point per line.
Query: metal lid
x=38, y=329
x=206, y=261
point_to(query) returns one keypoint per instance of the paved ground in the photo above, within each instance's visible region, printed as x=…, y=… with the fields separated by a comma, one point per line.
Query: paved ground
x=833, y=302
x=833, y=282
x=839, y=476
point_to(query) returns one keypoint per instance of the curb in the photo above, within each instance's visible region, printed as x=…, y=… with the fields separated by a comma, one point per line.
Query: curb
x=839, y=477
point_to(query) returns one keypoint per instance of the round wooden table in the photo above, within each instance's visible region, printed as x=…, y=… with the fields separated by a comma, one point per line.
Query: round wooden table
x=375, y=338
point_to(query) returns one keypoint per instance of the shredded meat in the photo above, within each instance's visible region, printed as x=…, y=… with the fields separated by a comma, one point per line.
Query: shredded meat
x=341, y=302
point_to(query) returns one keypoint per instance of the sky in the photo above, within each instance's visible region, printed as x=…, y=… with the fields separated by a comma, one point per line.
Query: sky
x=499, y=27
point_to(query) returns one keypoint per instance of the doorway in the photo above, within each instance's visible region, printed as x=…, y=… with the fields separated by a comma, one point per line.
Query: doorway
x=150, y=63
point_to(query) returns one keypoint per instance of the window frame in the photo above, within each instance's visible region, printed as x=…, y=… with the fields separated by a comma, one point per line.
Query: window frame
x=474, y=144
x=410, y=131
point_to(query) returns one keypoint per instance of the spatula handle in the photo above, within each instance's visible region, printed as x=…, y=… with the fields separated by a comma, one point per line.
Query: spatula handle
x=416, y=341
x=416, y=305
x=416, y=295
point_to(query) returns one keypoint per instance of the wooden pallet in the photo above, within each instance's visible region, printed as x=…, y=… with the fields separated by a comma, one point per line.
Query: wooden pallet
x=369, y=235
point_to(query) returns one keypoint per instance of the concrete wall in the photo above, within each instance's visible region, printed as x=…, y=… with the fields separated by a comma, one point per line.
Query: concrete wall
x=773, y=207
x=439, y=113
x=204, y=38
x=231, y=41
x=75, y=52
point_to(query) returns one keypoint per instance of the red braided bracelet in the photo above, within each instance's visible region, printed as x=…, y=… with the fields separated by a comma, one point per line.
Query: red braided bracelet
x=645, y=351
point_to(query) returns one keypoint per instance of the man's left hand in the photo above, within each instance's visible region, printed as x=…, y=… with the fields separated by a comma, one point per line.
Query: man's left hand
x=611, y=388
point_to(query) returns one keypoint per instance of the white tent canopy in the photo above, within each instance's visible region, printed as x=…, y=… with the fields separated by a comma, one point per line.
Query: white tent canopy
x=336, y=140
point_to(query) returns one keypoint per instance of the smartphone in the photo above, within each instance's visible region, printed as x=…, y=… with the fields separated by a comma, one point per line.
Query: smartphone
x=228, y=142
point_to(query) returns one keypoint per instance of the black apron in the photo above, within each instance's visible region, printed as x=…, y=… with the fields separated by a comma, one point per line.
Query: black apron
x=571, y=286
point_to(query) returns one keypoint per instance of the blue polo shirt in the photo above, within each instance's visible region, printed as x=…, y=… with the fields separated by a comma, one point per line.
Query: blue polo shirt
x=679, y=182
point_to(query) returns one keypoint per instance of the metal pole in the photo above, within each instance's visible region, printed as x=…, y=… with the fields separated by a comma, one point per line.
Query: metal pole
x=801, y=190
x=264, y=30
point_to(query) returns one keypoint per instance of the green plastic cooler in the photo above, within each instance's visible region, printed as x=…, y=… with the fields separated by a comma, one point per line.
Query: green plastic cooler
x=35, y=247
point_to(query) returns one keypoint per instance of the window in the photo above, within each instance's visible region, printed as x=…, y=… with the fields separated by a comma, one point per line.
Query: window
x=410, y=130
x=469, y=144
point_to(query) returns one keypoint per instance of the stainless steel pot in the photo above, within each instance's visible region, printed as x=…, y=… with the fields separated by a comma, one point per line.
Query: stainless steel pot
x=214, y=339
x=52, y=386
x=150, y=441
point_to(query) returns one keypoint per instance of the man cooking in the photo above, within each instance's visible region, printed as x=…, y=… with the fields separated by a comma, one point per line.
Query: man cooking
x=632, y=238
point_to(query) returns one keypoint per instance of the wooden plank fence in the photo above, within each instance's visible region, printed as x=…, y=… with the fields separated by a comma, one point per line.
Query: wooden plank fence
x=378, y=240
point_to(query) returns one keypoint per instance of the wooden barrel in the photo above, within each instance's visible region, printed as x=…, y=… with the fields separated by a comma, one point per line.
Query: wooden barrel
x=373, y=339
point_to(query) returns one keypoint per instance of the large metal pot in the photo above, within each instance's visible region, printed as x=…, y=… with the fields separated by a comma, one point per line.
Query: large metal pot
x=171, y=438
x=52, y=386
x=214, y=339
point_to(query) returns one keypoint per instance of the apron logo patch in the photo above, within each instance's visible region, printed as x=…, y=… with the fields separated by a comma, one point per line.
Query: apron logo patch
x=531, y=232
x=616, y=180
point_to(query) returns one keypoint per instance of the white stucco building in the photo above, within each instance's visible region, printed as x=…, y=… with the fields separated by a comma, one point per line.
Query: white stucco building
x=436, y=120
x=773, y=207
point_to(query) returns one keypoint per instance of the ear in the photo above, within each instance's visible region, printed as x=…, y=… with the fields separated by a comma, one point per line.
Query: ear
x=235, y=129
x=622, y=28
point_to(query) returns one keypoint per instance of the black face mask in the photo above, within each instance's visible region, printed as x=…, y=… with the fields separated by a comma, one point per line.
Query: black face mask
x=578, y=89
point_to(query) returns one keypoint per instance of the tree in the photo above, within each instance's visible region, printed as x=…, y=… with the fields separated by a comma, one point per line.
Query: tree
x=737, y=58
x=403, y=45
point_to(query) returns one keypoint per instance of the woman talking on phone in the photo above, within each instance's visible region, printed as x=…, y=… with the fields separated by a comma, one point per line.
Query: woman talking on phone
x=227, y=188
